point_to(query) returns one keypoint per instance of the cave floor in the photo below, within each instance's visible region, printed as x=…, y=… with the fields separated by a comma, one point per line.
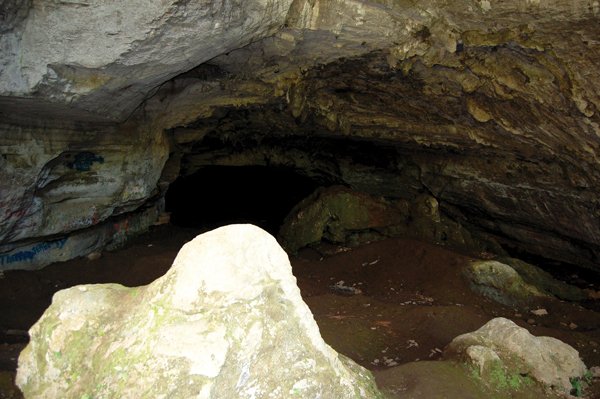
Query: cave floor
x=386, y=305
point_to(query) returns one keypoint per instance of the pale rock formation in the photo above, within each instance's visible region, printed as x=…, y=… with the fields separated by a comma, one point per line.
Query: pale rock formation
x=226, y=321
x=504, y=353
x=106, y=56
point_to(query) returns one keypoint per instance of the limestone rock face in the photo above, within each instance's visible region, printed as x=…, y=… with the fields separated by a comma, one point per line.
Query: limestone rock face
x=501, y=351
x=335, y=213
x=344, y=216
x=226, y=321
x=489, y=108
x=107, y=56
x=59, y=178
x=493, y=104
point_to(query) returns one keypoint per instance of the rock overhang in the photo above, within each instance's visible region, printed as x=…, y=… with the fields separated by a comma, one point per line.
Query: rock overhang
x=494, y=105
x=108, y=57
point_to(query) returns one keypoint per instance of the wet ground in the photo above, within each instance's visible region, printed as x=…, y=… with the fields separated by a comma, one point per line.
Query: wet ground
x=386, y=305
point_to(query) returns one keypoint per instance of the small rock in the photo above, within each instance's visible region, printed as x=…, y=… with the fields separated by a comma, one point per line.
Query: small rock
x=370, y=263
x=434, y=352
x=341, y=289
x=572, y=326
x=94, y=255
x=540, y=312
x=411, y=343
x=531, y=321
x=499, y=282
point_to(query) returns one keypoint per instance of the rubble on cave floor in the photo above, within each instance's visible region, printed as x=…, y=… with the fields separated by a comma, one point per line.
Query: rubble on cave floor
x=413, y=301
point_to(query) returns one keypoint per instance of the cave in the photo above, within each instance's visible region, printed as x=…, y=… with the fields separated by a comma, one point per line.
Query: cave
x=426, y=166
x=219, y=195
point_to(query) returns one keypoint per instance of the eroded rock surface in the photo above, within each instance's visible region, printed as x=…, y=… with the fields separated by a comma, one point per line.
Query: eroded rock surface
x=344, y=216
x=59, y=179
x=334, y=214
x=500, y=282
x=106, y=57
x=226, y=321
x=506, y=354
x=514, y=282
x=489, y=108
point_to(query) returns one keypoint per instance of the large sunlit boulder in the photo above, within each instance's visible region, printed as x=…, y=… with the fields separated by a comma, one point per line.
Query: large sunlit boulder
x=226, y=321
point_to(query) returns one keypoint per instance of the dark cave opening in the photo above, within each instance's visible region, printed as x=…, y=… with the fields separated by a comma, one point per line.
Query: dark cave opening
x=218, y=195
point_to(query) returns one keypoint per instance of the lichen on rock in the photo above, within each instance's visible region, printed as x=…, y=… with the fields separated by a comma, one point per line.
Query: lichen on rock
x=512, y=281
x=500, y=282
x=506, y=356
x=226, y=321
x=335, y=213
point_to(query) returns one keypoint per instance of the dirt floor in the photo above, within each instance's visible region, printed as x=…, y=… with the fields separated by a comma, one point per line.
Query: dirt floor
x=392, y=306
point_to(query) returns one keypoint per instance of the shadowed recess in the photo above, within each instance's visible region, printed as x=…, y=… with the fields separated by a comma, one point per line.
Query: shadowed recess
x=219, y=195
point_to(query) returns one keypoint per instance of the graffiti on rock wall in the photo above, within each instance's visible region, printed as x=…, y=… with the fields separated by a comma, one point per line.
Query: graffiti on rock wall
x=92, y=219
x=84, y=160
x=30, y=254
x=122, y=226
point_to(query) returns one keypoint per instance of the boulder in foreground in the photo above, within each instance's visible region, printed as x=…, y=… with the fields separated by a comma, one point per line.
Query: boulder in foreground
x=226, y=321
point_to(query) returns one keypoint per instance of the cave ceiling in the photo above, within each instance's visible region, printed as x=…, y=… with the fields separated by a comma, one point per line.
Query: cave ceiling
x=489, y=106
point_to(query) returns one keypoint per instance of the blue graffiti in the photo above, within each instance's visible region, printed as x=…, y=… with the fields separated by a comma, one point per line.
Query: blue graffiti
x=29, y=255
x=84, y=160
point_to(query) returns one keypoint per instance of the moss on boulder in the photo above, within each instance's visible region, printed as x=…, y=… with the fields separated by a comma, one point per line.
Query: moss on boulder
x=226, y=321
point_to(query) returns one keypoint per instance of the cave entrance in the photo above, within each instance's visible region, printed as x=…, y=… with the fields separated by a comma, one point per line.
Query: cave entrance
x=219, y=195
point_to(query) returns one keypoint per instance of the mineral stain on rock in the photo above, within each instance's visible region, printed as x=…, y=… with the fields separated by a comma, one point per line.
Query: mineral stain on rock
x=83, y=161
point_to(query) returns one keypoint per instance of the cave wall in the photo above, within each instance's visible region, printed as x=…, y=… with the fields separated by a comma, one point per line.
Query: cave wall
x=490, y=107
x=70, y=188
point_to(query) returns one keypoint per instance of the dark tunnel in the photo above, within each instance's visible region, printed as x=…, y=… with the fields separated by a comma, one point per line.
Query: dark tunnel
x=220, y=195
